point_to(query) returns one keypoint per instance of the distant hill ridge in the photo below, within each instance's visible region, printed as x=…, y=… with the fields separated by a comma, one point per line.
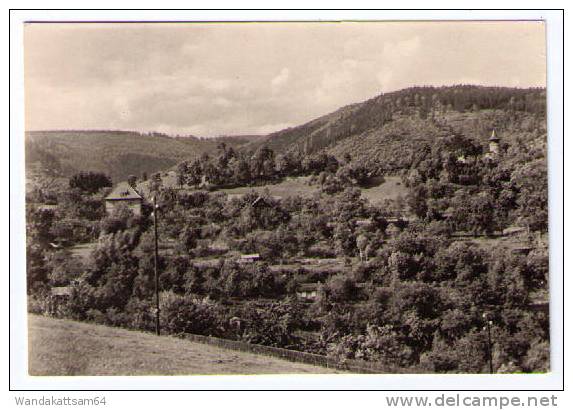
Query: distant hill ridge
x=426, y=103
x=116, y=153
x=384, y=132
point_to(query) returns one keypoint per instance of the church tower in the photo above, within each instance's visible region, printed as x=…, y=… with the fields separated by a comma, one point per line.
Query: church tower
x=494, y=143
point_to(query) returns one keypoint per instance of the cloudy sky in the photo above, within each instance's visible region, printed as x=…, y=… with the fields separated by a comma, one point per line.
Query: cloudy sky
x=255, y=78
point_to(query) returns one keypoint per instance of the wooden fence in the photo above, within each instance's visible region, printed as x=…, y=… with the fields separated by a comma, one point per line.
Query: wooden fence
x=349, y=365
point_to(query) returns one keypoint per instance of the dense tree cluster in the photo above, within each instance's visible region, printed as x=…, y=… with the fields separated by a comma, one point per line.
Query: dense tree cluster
x=230, y=168
x=405, y=283
x=425, y=305
x=89, y=182
x=478, y=193
x=416, y=293
x=427, y=104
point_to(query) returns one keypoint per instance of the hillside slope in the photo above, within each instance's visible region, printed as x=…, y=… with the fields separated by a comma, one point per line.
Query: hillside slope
x=396, y=144
x=116, y=153
x=386, y=131
x=64, y=347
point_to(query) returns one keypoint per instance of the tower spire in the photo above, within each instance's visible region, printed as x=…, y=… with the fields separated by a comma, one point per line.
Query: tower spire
x=494, y=143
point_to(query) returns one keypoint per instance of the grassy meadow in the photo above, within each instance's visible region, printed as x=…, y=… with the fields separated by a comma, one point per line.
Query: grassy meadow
x=392, y=188
x=66, y=348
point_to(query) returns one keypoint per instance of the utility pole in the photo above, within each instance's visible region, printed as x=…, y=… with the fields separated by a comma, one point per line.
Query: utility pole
x=489, y=347
x=155, y=210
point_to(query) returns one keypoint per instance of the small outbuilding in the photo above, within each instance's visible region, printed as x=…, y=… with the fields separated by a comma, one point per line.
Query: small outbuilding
x=250, y=258
x=307, y=291
x=515, y=231
x=59, y=295
x=521, y=250
x=124, y=195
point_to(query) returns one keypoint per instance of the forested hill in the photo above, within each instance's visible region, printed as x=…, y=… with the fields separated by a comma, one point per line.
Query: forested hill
x=386, y=131
x=115, y=153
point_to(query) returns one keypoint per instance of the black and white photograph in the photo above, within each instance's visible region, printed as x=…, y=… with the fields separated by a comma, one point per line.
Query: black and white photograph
x=279, y=198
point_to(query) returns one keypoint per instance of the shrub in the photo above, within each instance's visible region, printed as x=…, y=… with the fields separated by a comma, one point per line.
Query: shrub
x=270, y=324
x=537, y=358
x=187, y=314
x=381, y=344
x=341, y=288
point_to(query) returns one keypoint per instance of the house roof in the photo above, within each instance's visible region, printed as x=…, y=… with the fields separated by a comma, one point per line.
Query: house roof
x=364, y=222
x=123, y=191
x=62, y=291
x=261, y=200
x=512, y=230
x=251, y=256
x=494, y=136
x=307, y=287
x=47, y=207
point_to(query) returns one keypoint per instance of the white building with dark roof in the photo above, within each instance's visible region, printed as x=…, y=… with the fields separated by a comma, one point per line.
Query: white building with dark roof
x=124, y=195
x=494, y=143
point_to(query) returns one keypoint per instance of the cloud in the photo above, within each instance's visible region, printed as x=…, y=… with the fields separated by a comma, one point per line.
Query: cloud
x=350, y=64
x=268, y=128
x=279, y=80
x=212, y=79
x=222, y=102
x=385, y=79
x=216, y=85
x=403, y=48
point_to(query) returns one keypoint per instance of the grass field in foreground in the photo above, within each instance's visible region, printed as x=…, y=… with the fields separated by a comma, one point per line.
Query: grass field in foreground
x=63, y=347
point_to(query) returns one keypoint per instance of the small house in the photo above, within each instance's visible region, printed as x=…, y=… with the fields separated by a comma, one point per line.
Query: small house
x=47, y=207
x=59, y=296
x=364, y=223
x=392, y=230
x=124, y=195
x=396, y=224
x=259, y=201
x=249, y=258
x=515, y=231
x=521, y=250
x=307, y=291
x=61, y=291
